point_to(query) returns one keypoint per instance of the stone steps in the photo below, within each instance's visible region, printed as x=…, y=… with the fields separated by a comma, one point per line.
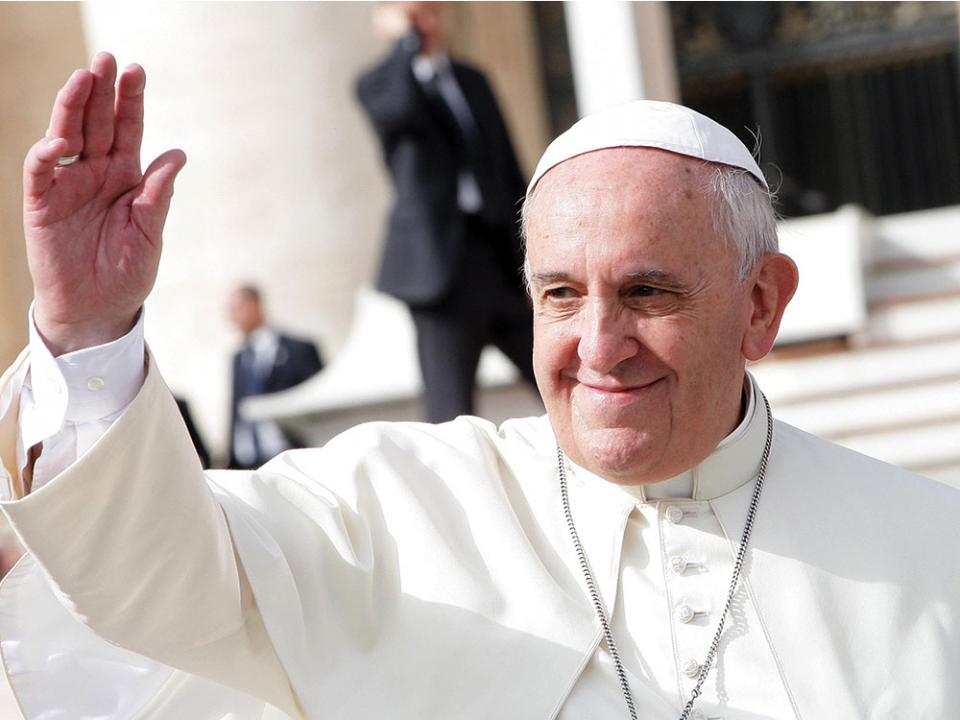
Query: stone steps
x=893, y=390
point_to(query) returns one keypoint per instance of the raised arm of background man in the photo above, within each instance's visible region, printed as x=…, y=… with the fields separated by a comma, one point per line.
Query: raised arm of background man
x=93, y=231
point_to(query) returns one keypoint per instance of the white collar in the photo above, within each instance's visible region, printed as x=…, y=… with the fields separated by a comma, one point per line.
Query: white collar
x=263, y=341
x=425, y=67
x=735, y=461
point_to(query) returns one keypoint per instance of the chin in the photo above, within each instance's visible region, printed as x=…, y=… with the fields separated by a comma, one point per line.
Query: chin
x=621, y=455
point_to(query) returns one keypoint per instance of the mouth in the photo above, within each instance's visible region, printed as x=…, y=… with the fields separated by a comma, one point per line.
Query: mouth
x=617, y=393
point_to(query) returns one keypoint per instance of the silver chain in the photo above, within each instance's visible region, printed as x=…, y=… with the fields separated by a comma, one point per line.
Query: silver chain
x=597, y=599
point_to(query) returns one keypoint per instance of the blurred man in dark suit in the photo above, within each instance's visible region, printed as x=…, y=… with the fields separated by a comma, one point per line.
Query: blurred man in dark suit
x=195, y=437
x=268, y=362
x=452, y=250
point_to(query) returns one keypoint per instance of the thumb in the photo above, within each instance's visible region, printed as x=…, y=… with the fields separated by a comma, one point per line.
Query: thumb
x=151, y=199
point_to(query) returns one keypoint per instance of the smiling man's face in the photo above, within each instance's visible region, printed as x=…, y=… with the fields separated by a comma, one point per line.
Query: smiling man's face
x=639, y=318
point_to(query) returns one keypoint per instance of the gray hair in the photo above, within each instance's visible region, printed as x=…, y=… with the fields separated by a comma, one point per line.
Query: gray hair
x=743, y=213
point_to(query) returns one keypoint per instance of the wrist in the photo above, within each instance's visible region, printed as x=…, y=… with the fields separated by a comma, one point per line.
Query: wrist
x=64, y=337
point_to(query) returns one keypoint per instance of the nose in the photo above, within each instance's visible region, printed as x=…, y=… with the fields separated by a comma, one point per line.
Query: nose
x=606, y=338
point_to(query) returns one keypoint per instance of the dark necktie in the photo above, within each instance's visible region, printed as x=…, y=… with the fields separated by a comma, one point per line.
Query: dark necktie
x=251, y=383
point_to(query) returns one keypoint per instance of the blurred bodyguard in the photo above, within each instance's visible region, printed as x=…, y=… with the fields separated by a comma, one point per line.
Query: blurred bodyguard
x=452, y=250
x=269, y=361
x=656, y=546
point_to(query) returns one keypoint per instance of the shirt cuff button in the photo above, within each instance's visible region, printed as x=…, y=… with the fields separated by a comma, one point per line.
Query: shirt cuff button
x=95, y=383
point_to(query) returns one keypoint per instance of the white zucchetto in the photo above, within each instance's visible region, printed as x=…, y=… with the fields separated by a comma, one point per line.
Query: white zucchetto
x=649, y=123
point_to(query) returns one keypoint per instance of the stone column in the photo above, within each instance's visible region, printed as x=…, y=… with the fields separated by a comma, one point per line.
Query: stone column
x=40, y=45
x=620, y=51
x=283, y=187
x=658, y=58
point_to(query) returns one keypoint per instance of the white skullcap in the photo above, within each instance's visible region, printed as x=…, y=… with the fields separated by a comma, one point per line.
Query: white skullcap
x=649, y=123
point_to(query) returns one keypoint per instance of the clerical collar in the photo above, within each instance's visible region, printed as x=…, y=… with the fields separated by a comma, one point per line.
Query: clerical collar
x=735, y=461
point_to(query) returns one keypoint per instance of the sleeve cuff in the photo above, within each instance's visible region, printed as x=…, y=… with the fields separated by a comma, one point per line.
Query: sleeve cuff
x=87, y=384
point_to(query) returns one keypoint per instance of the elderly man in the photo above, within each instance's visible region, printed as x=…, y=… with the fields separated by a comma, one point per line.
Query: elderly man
x=657, y=546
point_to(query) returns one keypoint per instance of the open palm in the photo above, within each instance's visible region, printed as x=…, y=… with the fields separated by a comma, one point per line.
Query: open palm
x=94, y=227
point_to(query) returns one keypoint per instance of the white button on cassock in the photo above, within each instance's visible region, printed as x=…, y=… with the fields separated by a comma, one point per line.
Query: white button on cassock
x=691, y=668
x=685, y=613
x=95, y=383
x=674, y=514
x=678, y=564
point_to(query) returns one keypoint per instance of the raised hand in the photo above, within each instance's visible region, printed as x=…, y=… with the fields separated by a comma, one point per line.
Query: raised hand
x=94, y=227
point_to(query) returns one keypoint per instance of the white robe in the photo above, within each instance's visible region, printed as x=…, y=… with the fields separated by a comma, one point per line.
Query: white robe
x=416, y=571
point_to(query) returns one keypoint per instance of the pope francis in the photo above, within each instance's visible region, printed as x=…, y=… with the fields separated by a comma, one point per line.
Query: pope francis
x=657, y=546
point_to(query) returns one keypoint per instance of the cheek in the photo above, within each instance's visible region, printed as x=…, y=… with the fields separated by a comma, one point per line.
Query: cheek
x=705, y=353
x=669, y=341
x=698, y=354
x=553, y=350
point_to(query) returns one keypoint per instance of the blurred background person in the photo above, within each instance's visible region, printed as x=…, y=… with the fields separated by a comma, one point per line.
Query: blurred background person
x=201, y=447
x=268, y=362
x=452, y=251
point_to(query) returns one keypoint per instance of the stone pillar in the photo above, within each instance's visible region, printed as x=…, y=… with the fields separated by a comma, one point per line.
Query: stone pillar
x=40, y=45
x=620, y=51
x=658, y=58
x=284, y=185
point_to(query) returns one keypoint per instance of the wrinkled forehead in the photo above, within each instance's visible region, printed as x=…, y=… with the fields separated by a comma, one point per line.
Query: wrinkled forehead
x=616, y=204
x=621, y=182
x=623, y=168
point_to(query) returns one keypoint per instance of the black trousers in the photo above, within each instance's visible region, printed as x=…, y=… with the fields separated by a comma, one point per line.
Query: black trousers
x=486, y=306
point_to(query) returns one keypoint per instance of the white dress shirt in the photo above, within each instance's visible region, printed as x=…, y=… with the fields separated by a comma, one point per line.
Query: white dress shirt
x=675, y=574
x=69, y=401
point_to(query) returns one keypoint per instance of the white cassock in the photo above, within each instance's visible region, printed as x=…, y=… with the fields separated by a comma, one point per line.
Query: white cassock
x=417, y=571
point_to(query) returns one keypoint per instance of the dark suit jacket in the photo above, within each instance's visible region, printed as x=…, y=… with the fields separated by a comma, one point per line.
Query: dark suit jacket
x=295, y=361
x=424, y=248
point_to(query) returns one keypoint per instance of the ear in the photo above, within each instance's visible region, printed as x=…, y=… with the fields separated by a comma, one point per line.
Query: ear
x=774, y=281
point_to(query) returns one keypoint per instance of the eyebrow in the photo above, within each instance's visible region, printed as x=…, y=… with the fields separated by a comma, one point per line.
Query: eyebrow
x=658, y=277
x=548, y=277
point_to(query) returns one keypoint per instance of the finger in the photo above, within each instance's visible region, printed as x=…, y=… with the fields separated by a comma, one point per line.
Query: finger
x=98, y=116
x=66, y=119
x=128, y=130
x=152, y=199
x=39, y=166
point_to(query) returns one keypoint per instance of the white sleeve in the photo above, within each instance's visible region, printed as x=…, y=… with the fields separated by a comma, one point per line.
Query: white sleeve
x=129, y=535
x=69, y=401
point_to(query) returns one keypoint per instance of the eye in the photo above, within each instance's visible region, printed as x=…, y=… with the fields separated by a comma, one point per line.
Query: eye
x=560, y=293
x=644, y=291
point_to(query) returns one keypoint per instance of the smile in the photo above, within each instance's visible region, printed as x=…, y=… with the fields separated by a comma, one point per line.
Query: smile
x=619, y=394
